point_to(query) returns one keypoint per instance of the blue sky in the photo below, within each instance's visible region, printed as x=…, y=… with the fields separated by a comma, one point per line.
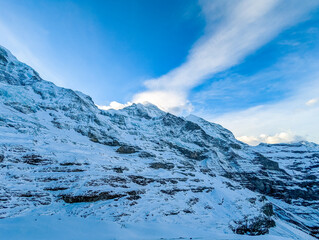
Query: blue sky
x=249, y=65
x=103, y=48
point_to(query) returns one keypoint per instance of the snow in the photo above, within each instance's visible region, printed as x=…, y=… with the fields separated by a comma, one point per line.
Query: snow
x=186, y=195
x=55, y=227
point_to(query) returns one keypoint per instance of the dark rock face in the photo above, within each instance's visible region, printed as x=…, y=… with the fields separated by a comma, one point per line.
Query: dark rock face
x=267, y=163
x=295, y=183
x=134, y=195
x=120, y=169
x=188, y=153
x=278, y=188
x=256, y=226
x=56, y=189
x=1, y=158
x=190, y=126
x=144, y=154
x=34, y=159
x=194, y=190
x=3, y=57
x=140, y=180
x=235, y=146
x=126, y=150
x=91, y=197
x=162, y=165
x=268, y=209
x=21, y=107
x=171, y=120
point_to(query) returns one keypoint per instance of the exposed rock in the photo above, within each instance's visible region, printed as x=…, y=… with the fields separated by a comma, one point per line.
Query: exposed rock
x=144, y=154
x=113, y=181
x=255, y=226
x=162, y=165
x=266, y=163
x=34, y=159
x=171, y=213
x=235, y=146
x=140, y=180
x=134, y=195
x=252, y=200
x=70, y=164
x=173, y=191
x=188, y=153
x=63, y=170
x=268, y=209
x=120, y=169
x=194, y=190
x=21, y=107
x=126, y=149
x=91, y=197
x=190, y=126
x=193, y=201
x=55, y=189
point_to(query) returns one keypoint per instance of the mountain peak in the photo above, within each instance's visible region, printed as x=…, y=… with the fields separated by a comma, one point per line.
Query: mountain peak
x=6, y=58
x=14, y=72
x=145, y=109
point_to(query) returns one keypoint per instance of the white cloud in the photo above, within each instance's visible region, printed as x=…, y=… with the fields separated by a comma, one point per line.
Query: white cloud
x=175, y=101
x=234, y=30
x=114, y=105
x=283, y=137
x=312, y=102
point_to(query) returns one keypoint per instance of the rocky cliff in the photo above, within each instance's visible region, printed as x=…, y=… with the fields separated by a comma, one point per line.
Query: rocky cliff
x=59, y=153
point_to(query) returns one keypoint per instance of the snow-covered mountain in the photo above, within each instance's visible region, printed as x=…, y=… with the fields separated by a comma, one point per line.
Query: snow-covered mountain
x=62, y=156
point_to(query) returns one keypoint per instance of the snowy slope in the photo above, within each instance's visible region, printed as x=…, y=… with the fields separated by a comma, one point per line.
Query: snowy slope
x=300, y=194
x=62, y=156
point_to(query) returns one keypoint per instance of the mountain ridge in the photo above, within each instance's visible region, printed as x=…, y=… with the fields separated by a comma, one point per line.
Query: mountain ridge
x=59, y=153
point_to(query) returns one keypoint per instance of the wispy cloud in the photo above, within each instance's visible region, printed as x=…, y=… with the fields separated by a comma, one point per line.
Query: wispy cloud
x=292, y=117
x=234, y=30
x=287, y=74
